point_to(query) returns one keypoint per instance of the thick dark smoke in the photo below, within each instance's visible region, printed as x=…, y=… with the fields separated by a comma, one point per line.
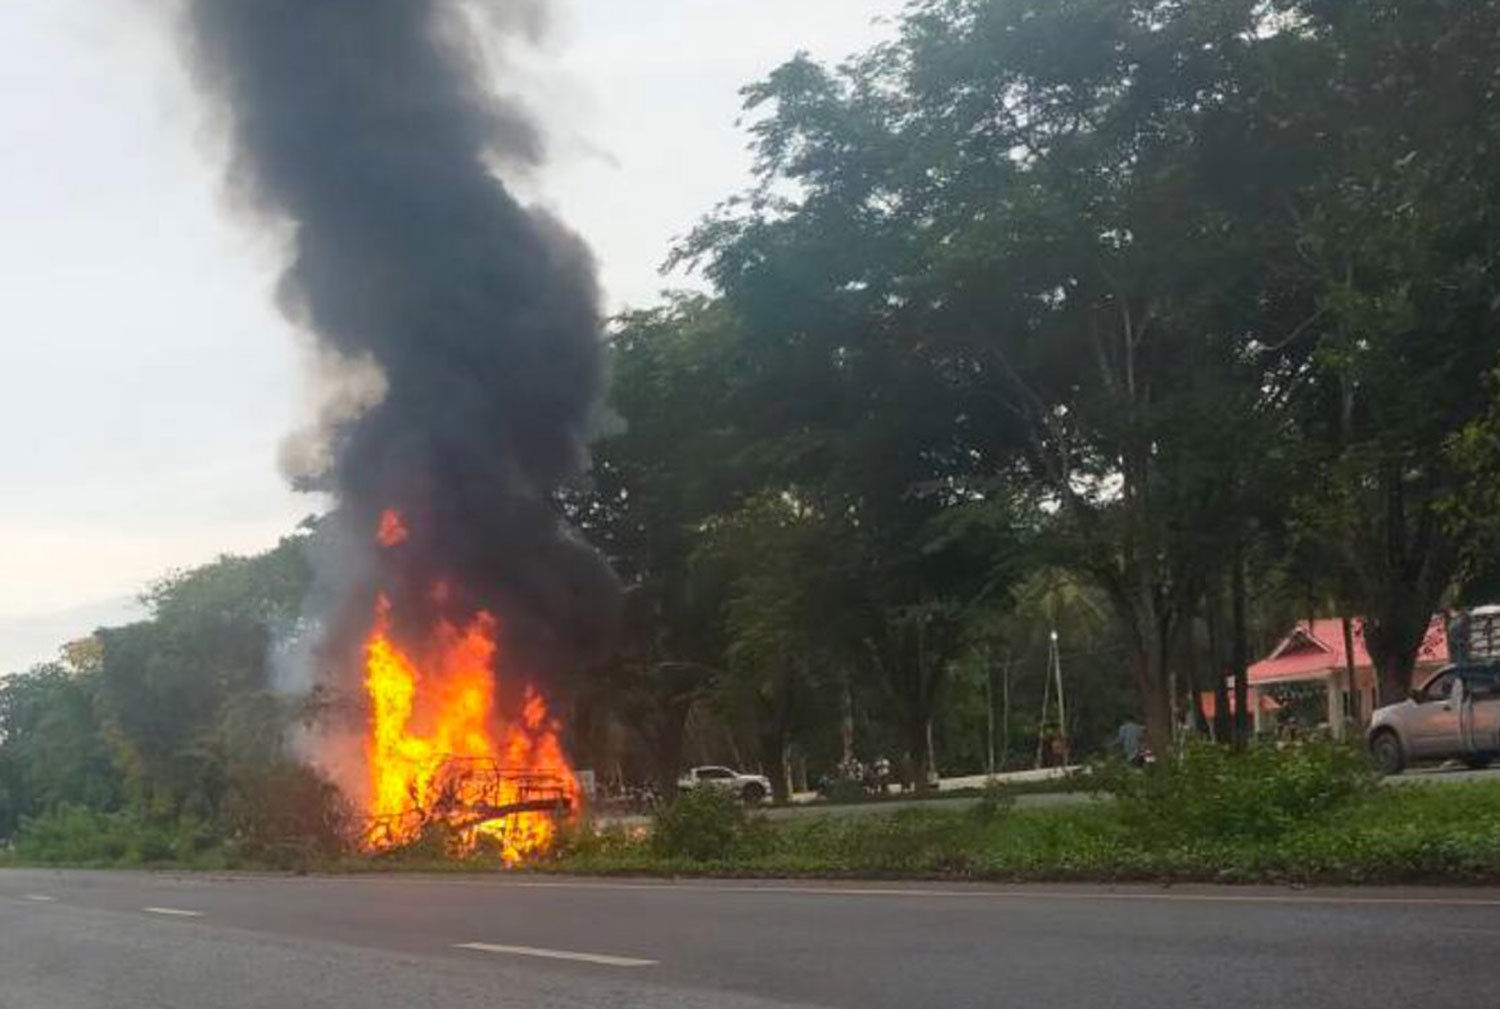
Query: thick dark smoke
x=368, y=126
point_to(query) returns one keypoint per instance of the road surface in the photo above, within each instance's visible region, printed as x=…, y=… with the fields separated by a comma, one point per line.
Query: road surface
x=73, y=940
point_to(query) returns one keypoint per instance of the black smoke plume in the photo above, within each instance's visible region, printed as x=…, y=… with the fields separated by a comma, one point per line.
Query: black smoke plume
x=368, y=128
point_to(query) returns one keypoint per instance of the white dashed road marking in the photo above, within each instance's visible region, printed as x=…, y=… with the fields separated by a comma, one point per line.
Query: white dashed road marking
x=557, y=954
x=40, y=898
x=173, y=912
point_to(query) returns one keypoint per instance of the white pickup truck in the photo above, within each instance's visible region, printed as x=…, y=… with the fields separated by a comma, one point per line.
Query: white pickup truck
x=1455, y=715
x=750, y=787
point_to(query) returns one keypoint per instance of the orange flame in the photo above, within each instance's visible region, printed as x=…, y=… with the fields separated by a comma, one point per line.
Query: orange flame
x=392, y=531
x=438, y=754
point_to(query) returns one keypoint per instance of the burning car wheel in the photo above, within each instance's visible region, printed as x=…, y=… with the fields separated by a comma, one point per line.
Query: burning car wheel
x=753, y=792
x=1386, y=754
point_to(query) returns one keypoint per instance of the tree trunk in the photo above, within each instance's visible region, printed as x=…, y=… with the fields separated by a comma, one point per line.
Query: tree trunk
x=989, y=715
x=1158, y=716
x=1393, y=668
x=1239, y=645
x=1406, y=571
x=1152, y=678
x=666, y=746
x=921, y=759
x=779, y=770
x=846, y=722
x=777, y=739
x=1354, y=701
x=1393, y=637
x=1200, y=717
x=1223, y=719
x=1005, y=714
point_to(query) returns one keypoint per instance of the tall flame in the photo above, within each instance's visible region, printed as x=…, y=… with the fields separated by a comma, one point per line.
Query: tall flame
x=438, y=752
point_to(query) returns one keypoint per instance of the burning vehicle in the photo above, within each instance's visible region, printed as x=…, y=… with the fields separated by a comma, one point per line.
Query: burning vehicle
x=460, y=357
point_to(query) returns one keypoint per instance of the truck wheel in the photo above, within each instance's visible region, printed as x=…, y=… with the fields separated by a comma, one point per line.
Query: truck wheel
x=753, y=793
x=1479, y=761
x=1386, y=754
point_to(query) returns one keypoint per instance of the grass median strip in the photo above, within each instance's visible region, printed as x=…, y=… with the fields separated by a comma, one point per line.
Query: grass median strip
x=1306, y=814
x=556, y=954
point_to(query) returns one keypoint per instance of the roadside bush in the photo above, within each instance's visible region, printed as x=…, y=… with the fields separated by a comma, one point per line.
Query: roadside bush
x=74, y=835
x=704, y=825
x=584, y=840
x=434, y=844
x=841, y=791
x=1212, y=793
x=1333, y=829
x=285, y=814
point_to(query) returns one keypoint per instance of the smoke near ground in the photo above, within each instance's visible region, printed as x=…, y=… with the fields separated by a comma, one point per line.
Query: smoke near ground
x=459, y=330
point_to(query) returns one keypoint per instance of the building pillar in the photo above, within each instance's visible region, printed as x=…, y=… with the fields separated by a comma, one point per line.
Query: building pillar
x=1335, y=705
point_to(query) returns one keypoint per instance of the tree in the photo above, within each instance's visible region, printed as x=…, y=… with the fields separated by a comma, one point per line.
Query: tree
x=166, y=683
x=52, y=752
x=1398, y=241
x=981, y=206
x=795, y=618
x=675, y=460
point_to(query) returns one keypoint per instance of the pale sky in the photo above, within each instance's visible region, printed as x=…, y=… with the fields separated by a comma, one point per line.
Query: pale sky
x=145, y=378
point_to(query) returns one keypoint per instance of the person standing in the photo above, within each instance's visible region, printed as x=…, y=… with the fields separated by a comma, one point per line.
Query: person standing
x=1131, y=738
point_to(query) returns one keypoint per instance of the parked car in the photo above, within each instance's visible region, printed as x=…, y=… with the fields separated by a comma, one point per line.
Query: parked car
x=750, y=787
x=1454, y=715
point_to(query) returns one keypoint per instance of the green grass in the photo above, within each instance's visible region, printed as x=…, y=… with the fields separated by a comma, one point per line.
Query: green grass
x=1308, y=814
x=1440, y=834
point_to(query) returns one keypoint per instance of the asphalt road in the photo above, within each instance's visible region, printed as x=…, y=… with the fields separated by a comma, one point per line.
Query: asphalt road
x=72, y=940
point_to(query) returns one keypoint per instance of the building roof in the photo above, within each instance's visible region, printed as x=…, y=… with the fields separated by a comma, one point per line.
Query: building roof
x=1315, y=648
x=1210, y=705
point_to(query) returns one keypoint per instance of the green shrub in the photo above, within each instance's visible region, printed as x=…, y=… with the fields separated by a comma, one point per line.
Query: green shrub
x=1331, y=828
x=1212, y=793
x=703, y=824
x=436, y=842
x=284, y=814
x=846, y=790
x=584, y=840
x=74, y=835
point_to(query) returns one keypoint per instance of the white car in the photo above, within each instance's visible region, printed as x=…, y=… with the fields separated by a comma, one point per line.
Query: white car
x=1454, y=715
x=750, y=787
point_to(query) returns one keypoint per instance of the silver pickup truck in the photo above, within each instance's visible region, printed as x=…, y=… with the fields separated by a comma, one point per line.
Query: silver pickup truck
x=1455, y=715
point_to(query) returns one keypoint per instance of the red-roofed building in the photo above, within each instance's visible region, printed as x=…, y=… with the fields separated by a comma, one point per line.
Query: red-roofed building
x=1313, y=654
x=1209, y=705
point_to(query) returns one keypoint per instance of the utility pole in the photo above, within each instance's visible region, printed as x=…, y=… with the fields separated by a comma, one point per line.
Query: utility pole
x=1051, y=680
x=1062, y=711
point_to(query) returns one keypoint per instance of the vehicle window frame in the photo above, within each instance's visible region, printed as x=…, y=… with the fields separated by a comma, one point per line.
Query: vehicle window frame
x=1427, y=696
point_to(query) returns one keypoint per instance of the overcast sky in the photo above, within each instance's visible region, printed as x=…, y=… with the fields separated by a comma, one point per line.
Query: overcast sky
x=145, y=378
